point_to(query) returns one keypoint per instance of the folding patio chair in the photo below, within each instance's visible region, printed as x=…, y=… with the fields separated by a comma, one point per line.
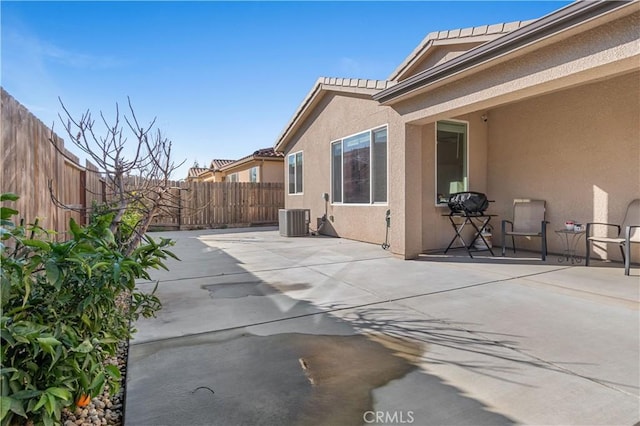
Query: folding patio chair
x=528, y=221
x=628, y=233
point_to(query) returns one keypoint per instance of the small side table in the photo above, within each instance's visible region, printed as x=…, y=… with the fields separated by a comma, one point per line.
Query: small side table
x=570, y=241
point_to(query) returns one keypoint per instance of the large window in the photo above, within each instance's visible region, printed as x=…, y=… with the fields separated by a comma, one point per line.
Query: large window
x=295, y=173
x=359, y=168
x=451, y=162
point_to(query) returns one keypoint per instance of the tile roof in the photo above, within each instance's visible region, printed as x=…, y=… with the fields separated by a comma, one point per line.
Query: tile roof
x=217, y=164
x=195, y=171
x=361, y=83
x=481, y=33
x=267, y=152
x=258, y=154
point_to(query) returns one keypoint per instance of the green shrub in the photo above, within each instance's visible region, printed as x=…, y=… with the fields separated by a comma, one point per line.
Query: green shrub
x=129, y=223
x=59, y=313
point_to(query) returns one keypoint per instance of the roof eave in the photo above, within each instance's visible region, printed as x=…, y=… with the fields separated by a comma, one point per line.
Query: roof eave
x=553, y=23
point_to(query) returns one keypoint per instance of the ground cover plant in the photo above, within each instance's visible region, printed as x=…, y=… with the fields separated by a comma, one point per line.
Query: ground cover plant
x=59, y=317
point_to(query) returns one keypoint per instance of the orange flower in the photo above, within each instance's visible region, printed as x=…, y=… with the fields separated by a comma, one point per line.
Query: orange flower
x=83, y=400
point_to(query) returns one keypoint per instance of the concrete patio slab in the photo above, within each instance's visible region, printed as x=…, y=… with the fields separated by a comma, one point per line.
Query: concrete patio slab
x=262, y=329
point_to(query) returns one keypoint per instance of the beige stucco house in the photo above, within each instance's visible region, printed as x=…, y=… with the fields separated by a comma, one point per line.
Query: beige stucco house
x=264, y=165
x=545, y=109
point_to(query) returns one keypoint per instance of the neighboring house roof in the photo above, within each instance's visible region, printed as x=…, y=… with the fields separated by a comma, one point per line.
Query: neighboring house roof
x=217, y=164
x=195, y=171
x=559, y=21
x=353, y=86
x=260, y=154
x=225, y=165
x=477, y=35
x=267, y=153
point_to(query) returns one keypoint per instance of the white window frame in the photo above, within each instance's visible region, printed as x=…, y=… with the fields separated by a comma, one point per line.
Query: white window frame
x=253, y=170
x=435, y=162
x=295, y=176
x=371, y=203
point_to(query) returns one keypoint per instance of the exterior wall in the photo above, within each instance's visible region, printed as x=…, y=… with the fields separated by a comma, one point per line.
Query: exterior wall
x=207, y=177
x=272, y=171
x=210, y=176
x=411, y=207
x=335, y=117
x=578, y=149
x=243, y=175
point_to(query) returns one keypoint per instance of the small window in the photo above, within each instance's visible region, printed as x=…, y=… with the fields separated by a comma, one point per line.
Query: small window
x=294, y=162
x=451, y=161
x=233, y=177
x=253, y=174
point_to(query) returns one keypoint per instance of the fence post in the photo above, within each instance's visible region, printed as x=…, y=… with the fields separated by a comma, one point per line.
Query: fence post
x=83, y=197
x=179, y=209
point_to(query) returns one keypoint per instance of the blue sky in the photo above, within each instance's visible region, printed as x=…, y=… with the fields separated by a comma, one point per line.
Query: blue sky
x=222, y=78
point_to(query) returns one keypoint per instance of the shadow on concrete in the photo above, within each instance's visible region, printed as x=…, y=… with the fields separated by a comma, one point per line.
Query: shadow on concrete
x=309, y=369
x=465, y=338
x=503, y=355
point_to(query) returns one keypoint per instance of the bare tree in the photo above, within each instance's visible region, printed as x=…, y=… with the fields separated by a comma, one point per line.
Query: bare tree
x=140, y=183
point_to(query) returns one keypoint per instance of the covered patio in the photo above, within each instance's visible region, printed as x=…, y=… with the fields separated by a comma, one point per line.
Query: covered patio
x=549, y=111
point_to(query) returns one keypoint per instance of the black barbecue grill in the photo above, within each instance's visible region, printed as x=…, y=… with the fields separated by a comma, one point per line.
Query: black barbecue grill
x=468, y=208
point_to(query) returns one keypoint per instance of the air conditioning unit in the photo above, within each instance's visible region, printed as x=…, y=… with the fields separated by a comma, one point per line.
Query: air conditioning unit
x=294, y=222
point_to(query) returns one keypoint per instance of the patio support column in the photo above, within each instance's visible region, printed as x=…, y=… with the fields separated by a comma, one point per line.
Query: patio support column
x=405, y=192
x=413, y=191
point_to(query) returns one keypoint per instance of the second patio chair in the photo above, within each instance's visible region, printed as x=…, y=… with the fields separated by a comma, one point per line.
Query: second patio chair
x=528, y=221
x=627, y=234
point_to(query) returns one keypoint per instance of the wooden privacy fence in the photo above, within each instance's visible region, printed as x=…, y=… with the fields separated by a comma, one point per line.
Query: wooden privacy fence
x=197, y=205
x=30, y=163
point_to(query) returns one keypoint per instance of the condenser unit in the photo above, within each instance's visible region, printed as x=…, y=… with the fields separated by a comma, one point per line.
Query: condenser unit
x=294, y=222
